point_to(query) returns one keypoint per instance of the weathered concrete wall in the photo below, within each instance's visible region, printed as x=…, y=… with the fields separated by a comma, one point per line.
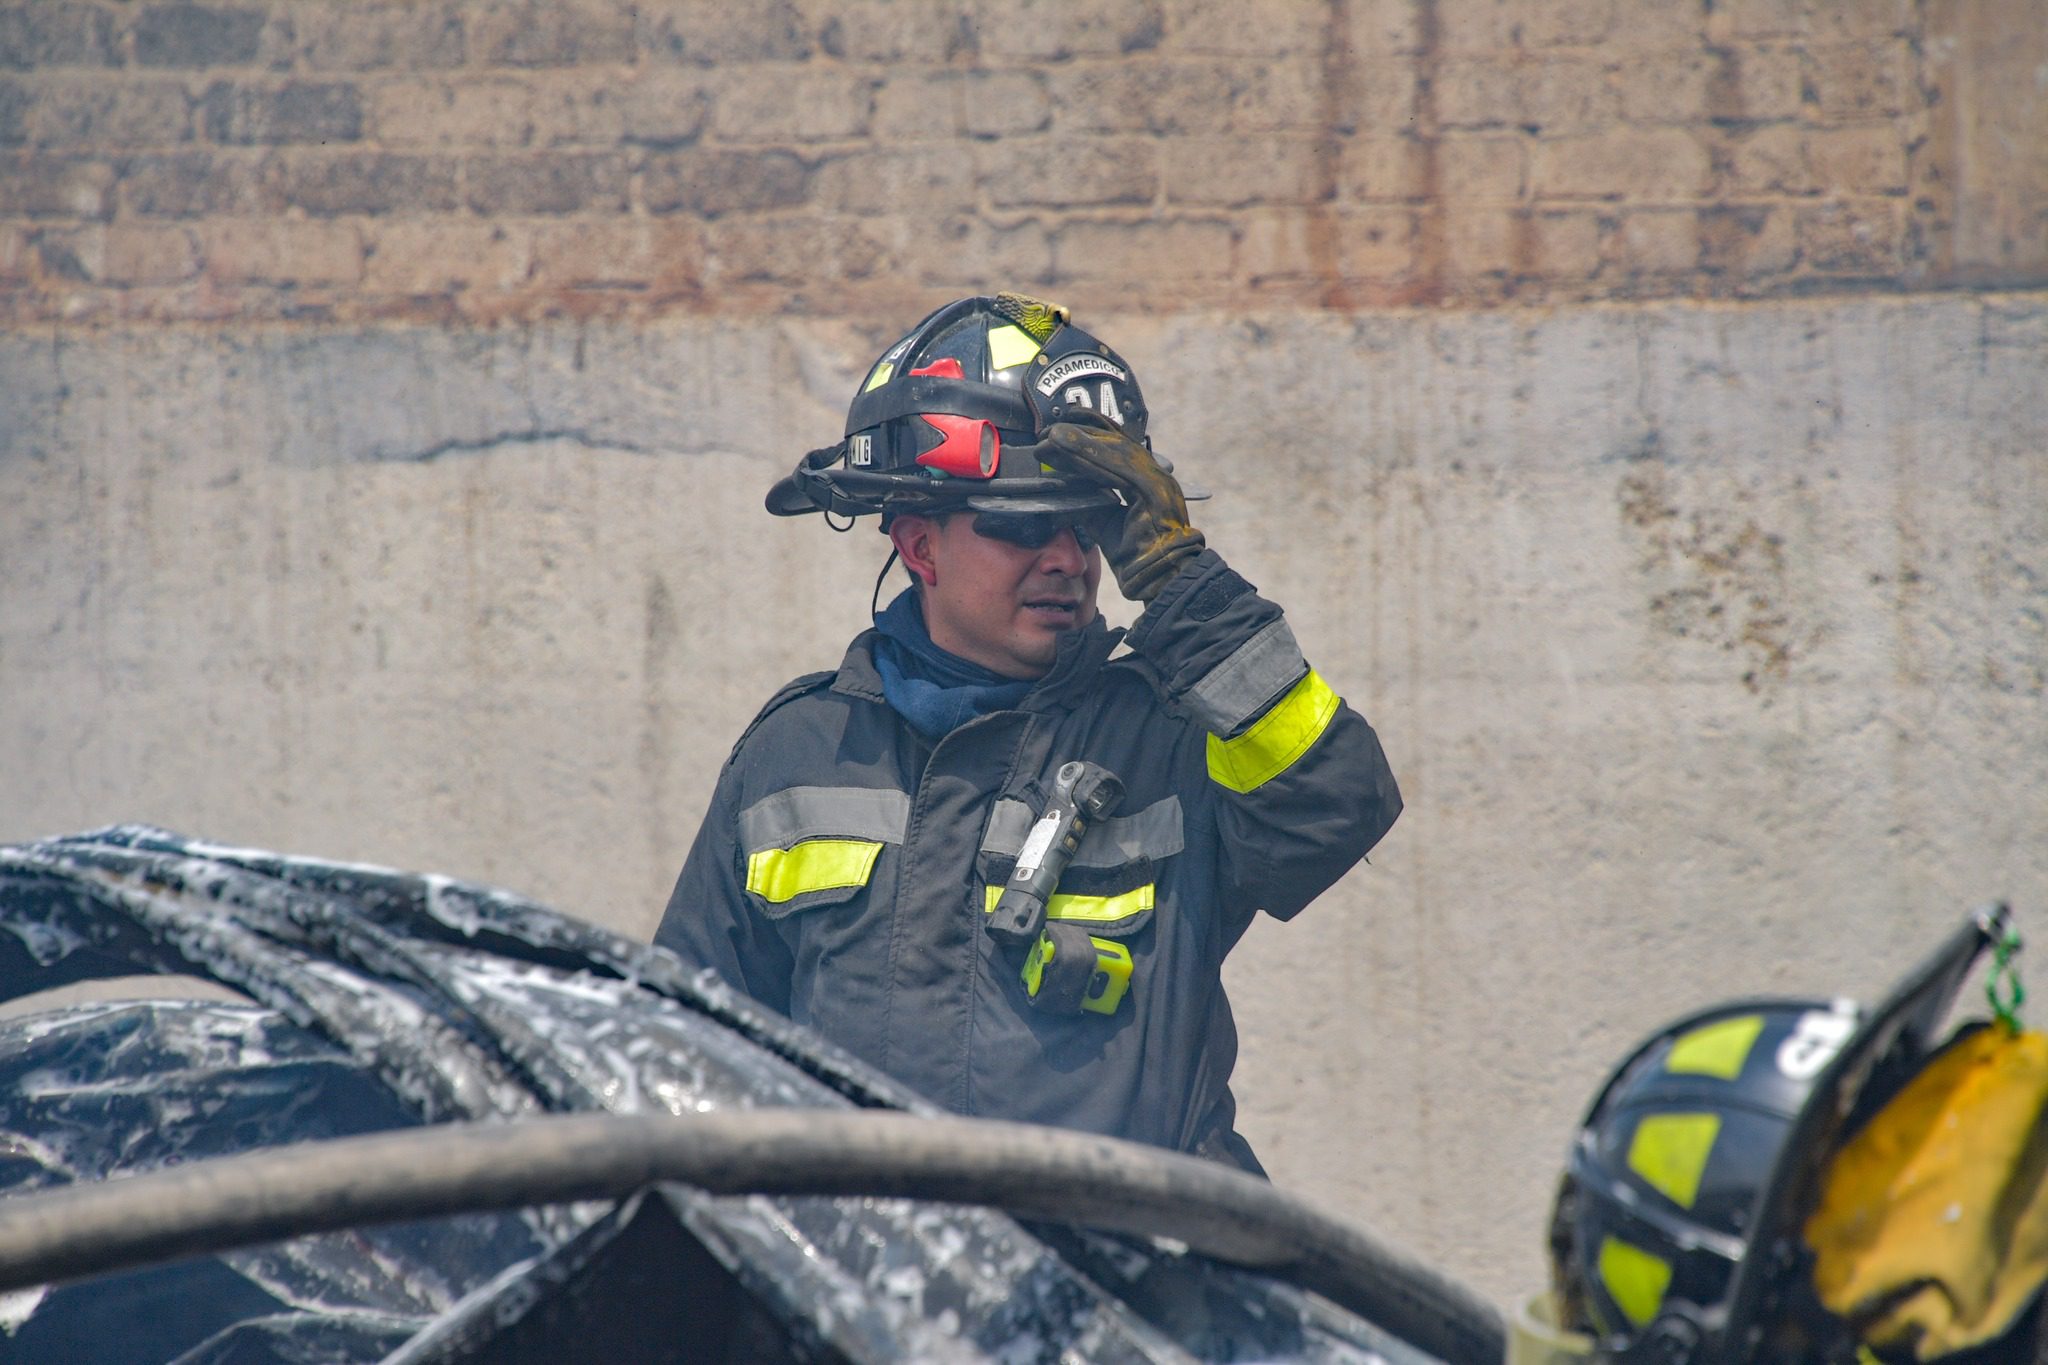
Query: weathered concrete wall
x=1709, y=642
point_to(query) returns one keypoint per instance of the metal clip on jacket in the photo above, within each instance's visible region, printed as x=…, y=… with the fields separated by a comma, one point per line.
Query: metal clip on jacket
x=1065, y=970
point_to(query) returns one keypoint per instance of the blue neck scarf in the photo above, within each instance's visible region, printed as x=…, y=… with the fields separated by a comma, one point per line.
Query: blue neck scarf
x=936, y=691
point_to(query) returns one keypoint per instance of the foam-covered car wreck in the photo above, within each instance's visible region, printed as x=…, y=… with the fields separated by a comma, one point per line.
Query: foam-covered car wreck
x=512, y=1135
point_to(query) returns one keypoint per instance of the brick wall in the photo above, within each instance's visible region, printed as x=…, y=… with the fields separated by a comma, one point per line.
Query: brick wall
x=323, y=159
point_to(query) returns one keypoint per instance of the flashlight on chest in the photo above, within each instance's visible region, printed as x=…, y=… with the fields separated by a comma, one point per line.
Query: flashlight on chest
x=1082, y=793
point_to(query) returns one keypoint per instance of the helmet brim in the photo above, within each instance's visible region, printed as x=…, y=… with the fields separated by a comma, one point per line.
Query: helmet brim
x=857, y=493
x=1068, y=499
x=787, y=499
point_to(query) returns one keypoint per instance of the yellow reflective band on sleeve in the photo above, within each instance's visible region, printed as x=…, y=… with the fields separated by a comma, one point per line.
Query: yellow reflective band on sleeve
x=879, y=377
x=1670, y=1152
x=1635, y=1279
x=1093, y=909
x=782, y=874
x=1276, y=739
x=1718, y=1049
x=1009, y=346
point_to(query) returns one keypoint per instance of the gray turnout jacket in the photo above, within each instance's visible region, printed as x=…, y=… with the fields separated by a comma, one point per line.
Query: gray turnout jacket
x=846, y=867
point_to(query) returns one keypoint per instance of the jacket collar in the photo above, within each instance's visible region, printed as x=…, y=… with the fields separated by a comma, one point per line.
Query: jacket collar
x=1076, y=663
x=857, y=675
x=1077, y=660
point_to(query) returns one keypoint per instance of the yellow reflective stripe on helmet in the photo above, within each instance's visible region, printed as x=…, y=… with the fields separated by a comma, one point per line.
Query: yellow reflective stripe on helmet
x=1670, y=1152
x=1718, y=1049
x=1093, y=909
x=1635, y=1279
x=781, y=874
x=1276, y=739
x=879, y=377
x=1008, y=346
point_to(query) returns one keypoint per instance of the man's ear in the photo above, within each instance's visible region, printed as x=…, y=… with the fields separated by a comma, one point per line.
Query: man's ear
x=912, y=536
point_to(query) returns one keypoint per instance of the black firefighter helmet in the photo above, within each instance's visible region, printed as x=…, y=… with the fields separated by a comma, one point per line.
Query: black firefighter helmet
x=952, y=415
x=1660, y=1197
x=1676, y=1236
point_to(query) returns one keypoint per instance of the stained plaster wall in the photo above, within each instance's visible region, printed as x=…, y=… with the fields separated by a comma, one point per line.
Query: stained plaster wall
x=1709, y=643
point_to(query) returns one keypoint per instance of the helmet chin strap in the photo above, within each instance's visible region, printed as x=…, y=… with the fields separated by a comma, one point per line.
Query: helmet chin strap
x=875, y=598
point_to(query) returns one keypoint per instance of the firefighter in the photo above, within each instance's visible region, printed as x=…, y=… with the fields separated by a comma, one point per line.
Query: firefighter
x=863, y=831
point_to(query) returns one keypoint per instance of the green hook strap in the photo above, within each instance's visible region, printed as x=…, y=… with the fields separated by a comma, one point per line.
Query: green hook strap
x=2003, y=973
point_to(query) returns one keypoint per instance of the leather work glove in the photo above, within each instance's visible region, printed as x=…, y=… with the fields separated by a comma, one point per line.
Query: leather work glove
x=1157, y=539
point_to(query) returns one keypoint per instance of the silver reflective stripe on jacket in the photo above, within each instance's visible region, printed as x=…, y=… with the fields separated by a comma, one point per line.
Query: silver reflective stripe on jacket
x=1246, y=682
x=1154, y=832
x=798, y=813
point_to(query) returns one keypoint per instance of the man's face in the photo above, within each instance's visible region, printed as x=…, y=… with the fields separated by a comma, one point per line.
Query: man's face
x=1001, y=605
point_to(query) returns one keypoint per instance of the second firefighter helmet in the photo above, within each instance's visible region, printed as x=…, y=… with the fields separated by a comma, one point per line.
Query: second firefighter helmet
x=952, y=414
x=1679, y=1234
x=1661, y=1196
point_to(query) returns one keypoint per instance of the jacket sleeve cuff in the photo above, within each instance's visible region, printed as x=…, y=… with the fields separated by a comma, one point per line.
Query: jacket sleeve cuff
x=1224, y=654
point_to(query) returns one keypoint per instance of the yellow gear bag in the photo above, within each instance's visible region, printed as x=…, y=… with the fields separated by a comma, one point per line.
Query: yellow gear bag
x=1932, y=1230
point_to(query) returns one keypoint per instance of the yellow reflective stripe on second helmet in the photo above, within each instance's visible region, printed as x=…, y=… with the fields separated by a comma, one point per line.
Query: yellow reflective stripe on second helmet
x=1635, y=1279
x=782, y=874
x=1670, y=1151
x=1276, y=739
x=1091, y=909
x=1719, y=1049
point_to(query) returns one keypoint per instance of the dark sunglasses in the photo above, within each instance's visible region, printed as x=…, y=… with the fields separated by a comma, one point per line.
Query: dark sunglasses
x=1036, y=530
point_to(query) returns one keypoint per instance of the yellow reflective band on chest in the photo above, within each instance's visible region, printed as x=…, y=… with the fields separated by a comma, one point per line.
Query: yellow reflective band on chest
x=1717, y=1049
x=782, y=874
x=1635, y=1279
x=1670, y=1151
x=1009, y=346
x=1093, y=909
x=1276, y=739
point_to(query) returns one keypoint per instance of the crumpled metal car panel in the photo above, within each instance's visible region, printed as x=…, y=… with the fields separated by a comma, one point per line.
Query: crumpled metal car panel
x=119, y=1088
x=387, y=999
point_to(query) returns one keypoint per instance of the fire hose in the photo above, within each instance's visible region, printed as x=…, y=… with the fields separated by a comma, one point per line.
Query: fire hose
x=1032, y=1172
